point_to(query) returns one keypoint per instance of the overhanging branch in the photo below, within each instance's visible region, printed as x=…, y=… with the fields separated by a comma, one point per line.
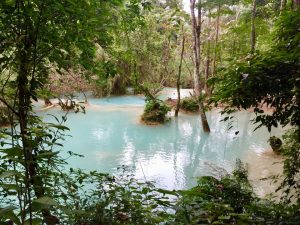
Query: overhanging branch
x=8, y=106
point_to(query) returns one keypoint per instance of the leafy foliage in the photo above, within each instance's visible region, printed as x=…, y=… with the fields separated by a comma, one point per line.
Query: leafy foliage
x=230, y=201
x=190, y=104
x=155, y=111
x=45, y=138
x=102, y=42
x=38, y=38
x=217, y=201
x=121, y=199
x=291, y=150
x=275, y=143
x=270, y=78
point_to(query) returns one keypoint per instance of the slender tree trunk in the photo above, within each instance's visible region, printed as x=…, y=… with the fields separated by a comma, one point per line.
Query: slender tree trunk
x=22, y=82
x=199, y=31
x=179, y=75
x=26, y=61
x=85, y=98
x=196, y=49
x=216, y=42
x=188, y=68
x=207, y=64
x=282, y=5
x=253, y=29
x=33, y=182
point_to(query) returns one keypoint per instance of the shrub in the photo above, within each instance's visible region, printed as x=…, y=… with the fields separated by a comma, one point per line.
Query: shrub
x=155, y=111
x=275, y=143
x=215, y=201
x=190, y=104
x=122, y=199
x=291, y=169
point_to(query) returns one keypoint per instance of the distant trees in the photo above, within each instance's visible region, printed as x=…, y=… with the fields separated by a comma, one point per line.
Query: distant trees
x=53, y=45
x=178, y=82
x=149, y=53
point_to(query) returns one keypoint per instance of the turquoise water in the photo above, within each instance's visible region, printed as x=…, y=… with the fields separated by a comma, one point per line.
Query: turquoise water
x=129, y=100
x=174, y=155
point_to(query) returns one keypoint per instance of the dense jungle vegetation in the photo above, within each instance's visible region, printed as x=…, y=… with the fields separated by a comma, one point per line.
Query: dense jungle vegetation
x=238, y=54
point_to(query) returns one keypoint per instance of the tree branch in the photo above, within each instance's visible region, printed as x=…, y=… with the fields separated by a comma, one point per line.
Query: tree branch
x=8, y=106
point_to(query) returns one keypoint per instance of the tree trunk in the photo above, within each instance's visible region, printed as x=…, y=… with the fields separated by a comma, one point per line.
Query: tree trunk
x=85, y=98
x=196, y=49
x=282, y=5
x=199, y=31
x=179, y=75
x=30, y=164
x=253, y=30
x=216, y=42
x=27, y=59
x=207, y=64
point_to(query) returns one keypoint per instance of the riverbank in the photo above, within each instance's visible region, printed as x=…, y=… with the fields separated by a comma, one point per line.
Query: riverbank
x=263, y=165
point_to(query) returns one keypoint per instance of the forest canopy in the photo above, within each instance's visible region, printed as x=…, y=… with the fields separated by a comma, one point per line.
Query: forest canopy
x=232, y=54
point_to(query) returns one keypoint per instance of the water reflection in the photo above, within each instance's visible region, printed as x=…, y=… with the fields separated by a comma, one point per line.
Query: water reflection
x=174, y=155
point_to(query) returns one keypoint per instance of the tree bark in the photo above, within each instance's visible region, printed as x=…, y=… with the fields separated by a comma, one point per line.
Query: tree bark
x=196, y=28
x=195, y=50
x=179, y=75
x=253, y=29
x=26, y=70
x=207, y=63
x=216, y=42
x=31, y=167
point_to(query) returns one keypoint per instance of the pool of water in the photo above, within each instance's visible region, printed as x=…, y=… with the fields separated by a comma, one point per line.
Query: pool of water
x=174, y=155
x=129, y=100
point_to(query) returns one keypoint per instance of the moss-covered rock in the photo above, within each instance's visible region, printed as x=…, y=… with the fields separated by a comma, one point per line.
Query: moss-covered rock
x=155, y=112
x=275, y=144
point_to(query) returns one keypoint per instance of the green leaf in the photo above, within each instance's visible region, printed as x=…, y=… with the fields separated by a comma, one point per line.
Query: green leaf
x=35, y=221
x=46, y=201
x=8, y=213
x=7, y=209
x=15, y=151
x=60, y=127
x=47, y=154
x=163, y=191
x=43, y=203
x=11, y=173
x=10, y=187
